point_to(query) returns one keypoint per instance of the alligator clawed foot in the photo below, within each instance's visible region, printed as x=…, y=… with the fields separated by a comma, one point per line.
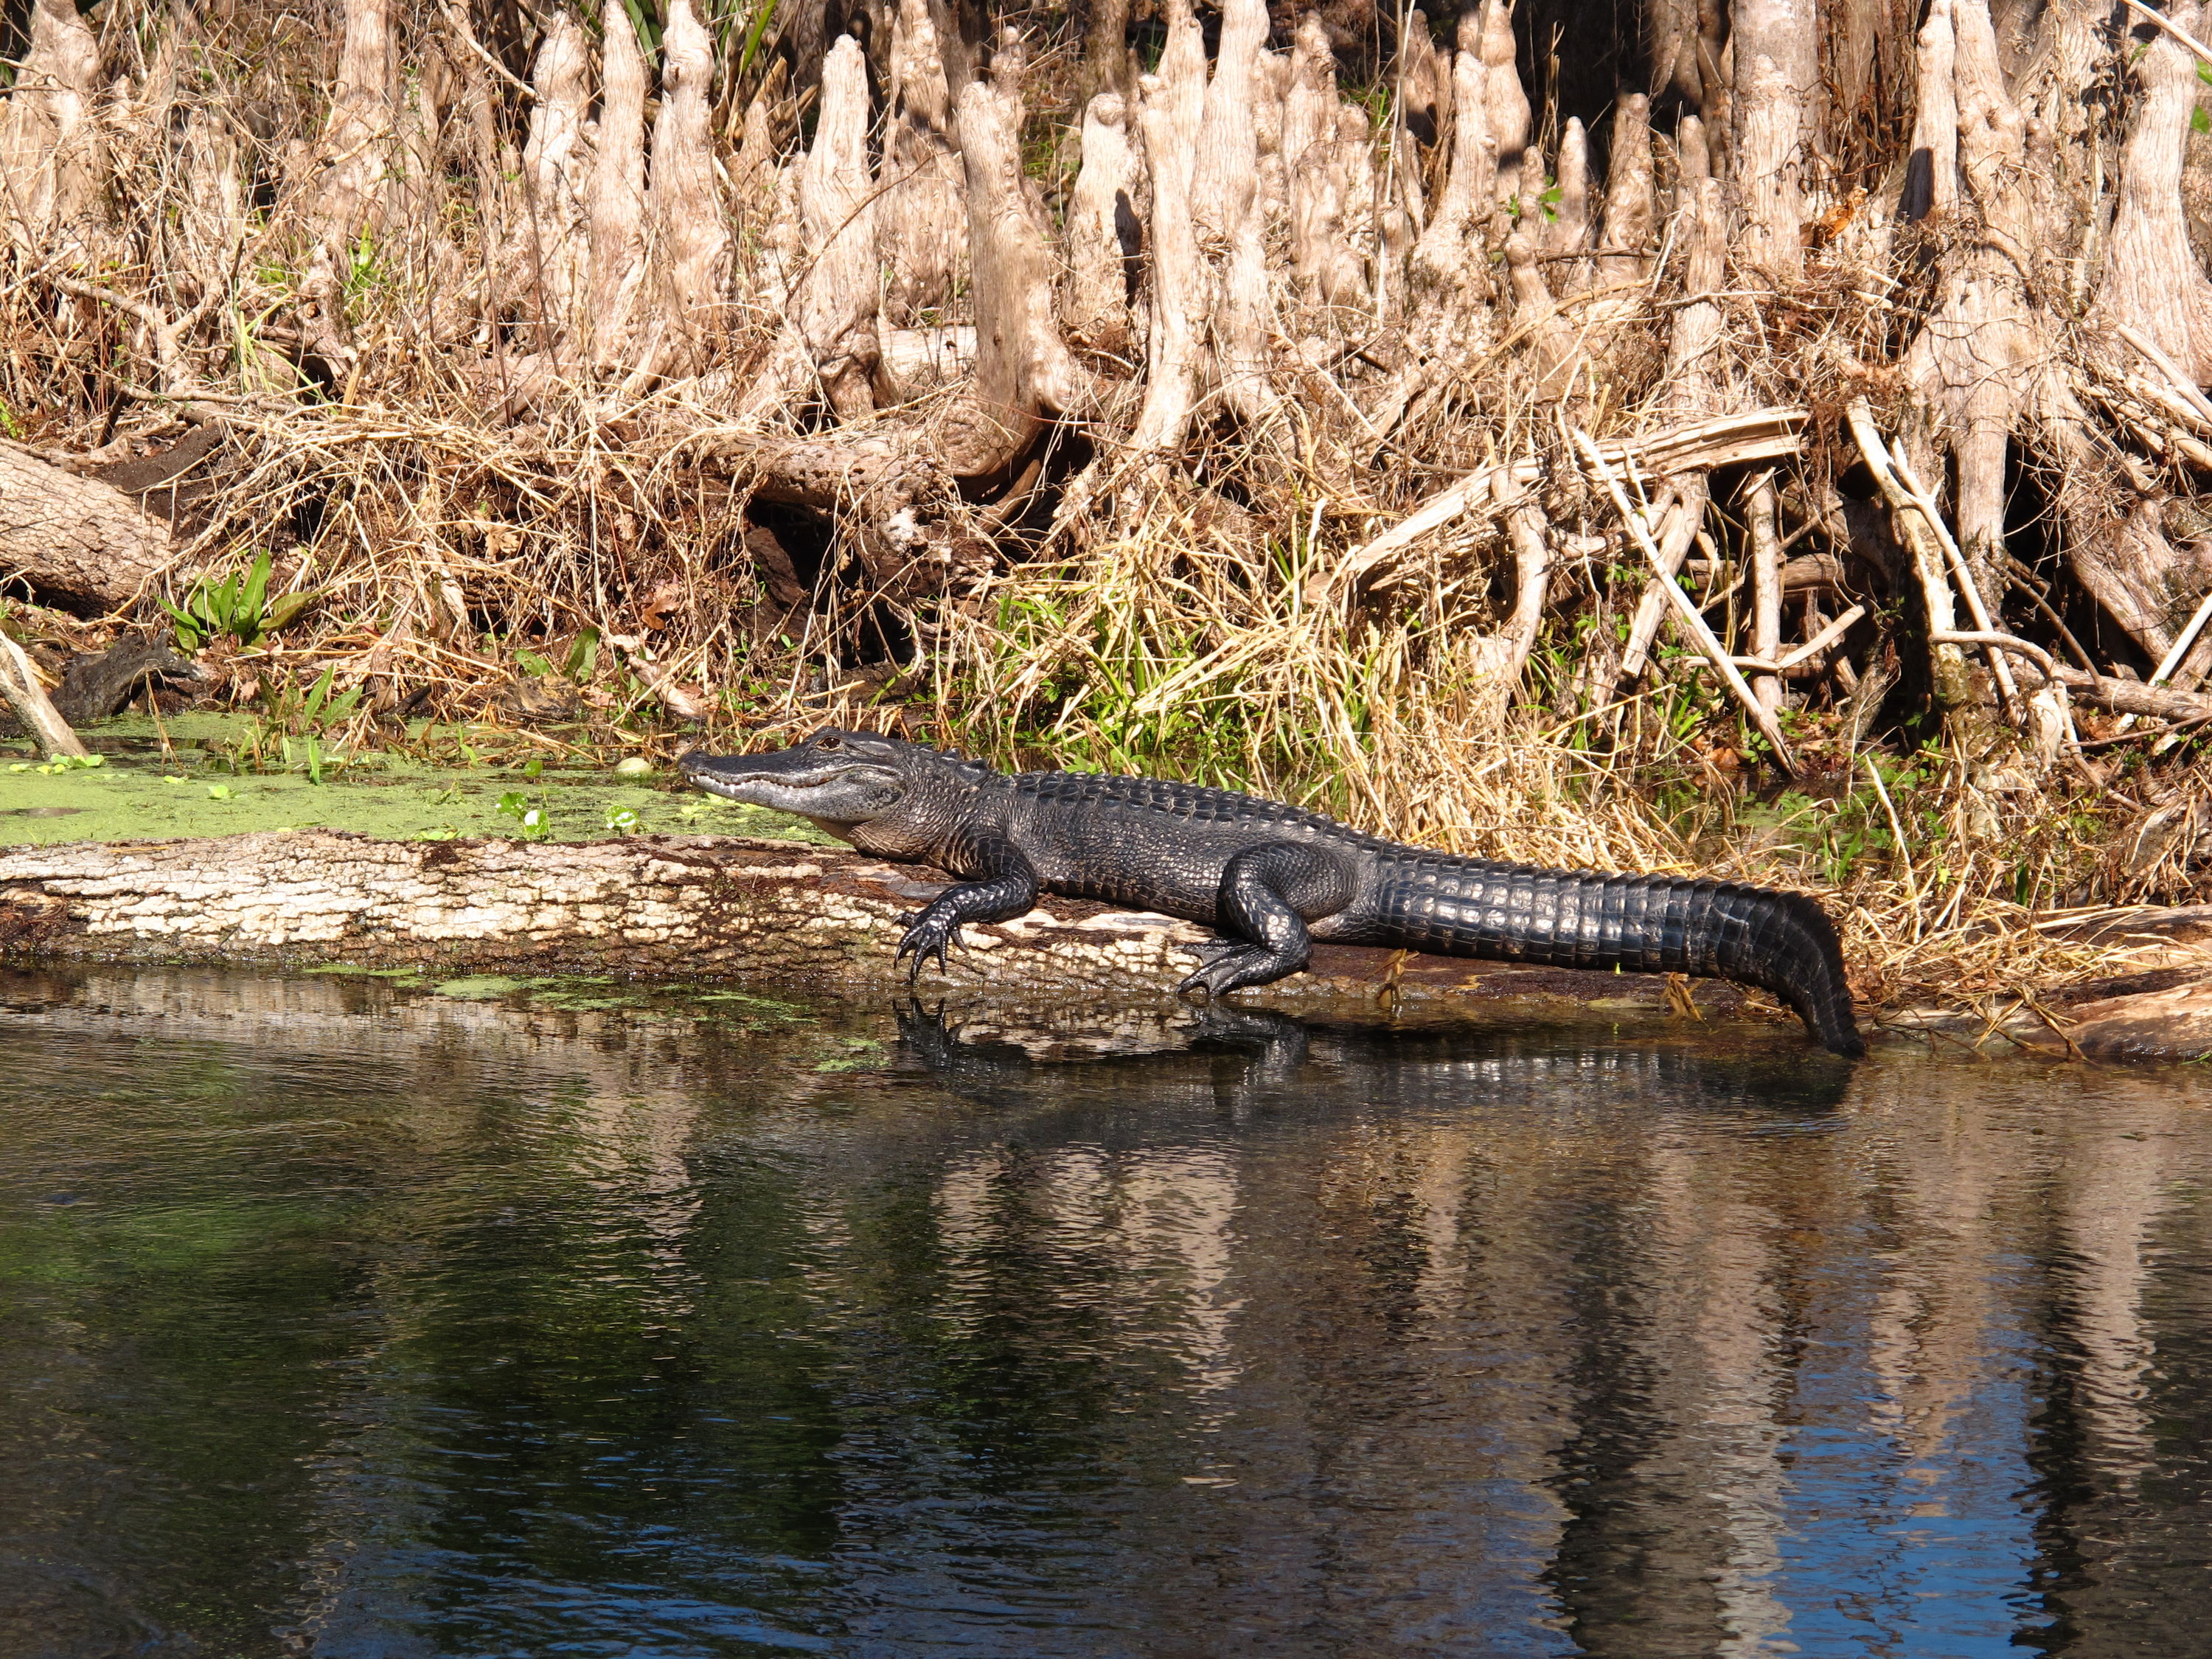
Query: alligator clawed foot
x=926, y=937
x=1231, y=969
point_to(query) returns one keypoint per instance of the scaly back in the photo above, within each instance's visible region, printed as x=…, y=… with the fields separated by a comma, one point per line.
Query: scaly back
x=1187, y=803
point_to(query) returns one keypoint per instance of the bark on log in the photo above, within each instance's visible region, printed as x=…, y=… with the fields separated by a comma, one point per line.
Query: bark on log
x=77, y=543
x=670, y=907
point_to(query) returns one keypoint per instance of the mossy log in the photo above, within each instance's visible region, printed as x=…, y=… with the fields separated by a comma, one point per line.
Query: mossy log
x=669, y=908
x=688, y=908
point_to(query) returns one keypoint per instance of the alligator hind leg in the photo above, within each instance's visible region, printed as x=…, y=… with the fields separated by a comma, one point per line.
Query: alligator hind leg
x=1268, y=895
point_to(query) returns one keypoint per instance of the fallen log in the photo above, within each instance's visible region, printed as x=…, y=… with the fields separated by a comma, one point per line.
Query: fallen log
x=692, y=909
x=680, y=907
x=78, y=543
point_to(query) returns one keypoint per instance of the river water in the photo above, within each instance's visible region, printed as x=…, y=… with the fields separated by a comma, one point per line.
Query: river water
x=347, y=1317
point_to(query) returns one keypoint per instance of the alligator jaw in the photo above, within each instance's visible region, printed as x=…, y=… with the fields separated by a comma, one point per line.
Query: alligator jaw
x=796, y=780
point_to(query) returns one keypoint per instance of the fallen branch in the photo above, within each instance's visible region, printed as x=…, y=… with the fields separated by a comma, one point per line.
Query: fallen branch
x=1918, y=527
x=1762, y=434
x=20, y=688
x=2120, y=697
x=1692, y=619
x=1992, y=642
x=1811, y=648
x=2182, y=641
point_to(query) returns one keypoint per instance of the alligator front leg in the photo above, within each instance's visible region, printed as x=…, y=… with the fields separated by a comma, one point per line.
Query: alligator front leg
x=1007, y=887
x=1269, y=894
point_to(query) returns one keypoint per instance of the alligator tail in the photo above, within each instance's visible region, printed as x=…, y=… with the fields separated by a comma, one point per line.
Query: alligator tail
x=1781, y=942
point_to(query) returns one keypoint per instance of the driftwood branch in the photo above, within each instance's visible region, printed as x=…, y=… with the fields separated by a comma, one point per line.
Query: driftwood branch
x=1760, y=435
x=21, y=690
x=1917, y=529
x=1686, y=609
x=2120, y=696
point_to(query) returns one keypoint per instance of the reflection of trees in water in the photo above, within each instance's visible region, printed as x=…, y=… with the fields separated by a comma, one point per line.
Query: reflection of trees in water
x=1277, y=1343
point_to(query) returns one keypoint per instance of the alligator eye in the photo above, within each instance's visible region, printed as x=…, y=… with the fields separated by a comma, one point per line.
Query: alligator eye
x=832, y=741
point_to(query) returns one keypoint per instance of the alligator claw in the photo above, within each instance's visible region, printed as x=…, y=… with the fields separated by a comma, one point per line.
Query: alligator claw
x=1239, y=965
x=1219, y=976
x=926, y=937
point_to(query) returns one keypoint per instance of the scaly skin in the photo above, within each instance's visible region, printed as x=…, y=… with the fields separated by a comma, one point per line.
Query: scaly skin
x=1270, y=878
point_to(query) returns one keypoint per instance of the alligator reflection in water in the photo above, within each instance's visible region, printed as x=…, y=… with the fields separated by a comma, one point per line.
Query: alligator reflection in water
x=452, y=1327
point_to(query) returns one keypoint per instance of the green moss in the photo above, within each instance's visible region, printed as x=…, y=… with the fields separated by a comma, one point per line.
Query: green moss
x=140, y=794
x=483, y=987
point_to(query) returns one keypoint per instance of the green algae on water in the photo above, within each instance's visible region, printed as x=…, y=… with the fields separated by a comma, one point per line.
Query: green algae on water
x=139, y=794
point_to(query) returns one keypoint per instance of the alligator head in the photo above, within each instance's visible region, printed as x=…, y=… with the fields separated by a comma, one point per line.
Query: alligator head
x=842, y=781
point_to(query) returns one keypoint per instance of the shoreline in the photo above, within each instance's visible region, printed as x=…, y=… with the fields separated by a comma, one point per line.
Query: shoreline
x=727, y=909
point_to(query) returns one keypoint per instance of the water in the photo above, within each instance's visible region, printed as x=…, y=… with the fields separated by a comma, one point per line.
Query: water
x=349, y=1320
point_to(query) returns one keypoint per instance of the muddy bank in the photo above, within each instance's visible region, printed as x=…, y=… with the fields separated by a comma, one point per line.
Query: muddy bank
x=763, y=911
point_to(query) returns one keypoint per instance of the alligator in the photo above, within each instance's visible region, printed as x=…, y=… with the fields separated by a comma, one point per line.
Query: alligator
x=1269, y=878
